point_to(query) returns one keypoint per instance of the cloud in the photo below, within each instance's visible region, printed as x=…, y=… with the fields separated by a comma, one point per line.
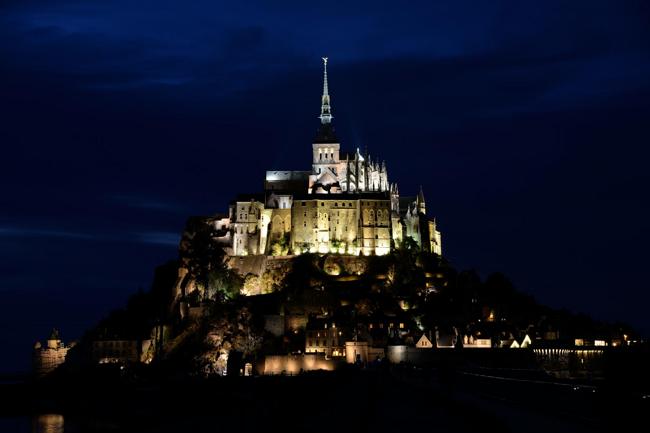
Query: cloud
x=20, y=232
x=144, y=237
x=159, y=238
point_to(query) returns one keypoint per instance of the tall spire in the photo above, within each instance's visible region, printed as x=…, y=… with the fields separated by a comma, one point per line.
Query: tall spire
x=420, y=202
x=325, y=111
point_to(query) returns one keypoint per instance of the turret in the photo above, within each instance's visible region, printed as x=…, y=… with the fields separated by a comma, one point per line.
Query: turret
x=420, y=202
x=394, y=198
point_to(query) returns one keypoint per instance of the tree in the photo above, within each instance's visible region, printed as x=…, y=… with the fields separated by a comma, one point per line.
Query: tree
x=252, y=285
x=229, y=330
x=223, y=284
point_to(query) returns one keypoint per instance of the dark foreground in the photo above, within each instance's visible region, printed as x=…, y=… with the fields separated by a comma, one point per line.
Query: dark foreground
x=400, y=399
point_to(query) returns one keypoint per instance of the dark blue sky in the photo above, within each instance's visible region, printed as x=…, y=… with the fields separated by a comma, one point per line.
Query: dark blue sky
x=525, y=122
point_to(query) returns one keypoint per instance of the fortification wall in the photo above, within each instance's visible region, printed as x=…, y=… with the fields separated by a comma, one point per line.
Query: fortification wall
x=245, y=265
x=294, y=364
x=258, y=264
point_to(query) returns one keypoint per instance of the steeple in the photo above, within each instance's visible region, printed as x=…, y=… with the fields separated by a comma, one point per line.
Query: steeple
x=326, y=132
x=420, y=202
x=325, y=110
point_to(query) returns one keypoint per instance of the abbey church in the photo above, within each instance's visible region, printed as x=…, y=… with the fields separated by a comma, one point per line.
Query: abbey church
x=345, y=204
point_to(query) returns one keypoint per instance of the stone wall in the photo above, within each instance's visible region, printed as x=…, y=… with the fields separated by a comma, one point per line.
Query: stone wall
x=245, y=265
x=294, y=364
x=258, y=264
x=47, y=359
x=274, y=323
x=412, y=355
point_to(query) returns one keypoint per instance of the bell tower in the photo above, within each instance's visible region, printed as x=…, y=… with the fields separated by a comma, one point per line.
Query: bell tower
x=326, y=146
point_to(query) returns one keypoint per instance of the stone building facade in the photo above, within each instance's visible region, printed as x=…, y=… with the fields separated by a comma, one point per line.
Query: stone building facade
x=107, y=351
x=47, y=358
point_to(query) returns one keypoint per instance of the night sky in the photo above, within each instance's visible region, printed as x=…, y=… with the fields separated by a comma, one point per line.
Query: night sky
x=527, y=124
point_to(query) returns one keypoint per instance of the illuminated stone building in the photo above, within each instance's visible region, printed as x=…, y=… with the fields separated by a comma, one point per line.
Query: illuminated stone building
x=322, y=336
x=120, y=351
x=47, y=359
x=345, y=205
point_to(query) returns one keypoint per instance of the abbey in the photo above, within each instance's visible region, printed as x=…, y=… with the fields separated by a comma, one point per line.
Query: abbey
x=344, y=204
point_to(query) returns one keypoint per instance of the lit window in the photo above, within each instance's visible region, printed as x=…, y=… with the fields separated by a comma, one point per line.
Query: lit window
x=401, y=326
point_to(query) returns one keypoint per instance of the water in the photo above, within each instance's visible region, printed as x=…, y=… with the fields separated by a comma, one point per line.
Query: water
x=45, y=423
x=48, y=423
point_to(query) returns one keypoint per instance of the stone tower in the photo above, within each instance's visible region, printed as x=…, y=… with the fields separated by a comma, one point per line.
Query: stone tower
x=326, y=146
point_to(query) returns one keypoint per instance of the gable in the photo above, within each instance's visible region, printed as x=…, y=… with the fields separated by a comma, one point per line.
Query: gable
x=326, y=178
x=424, y=343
